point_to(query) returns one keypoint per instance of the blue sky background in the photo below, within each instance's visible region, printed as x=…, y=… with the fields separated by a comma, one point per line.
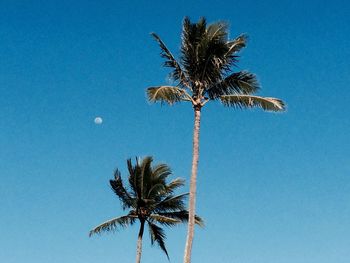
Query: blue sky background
x=273, y=188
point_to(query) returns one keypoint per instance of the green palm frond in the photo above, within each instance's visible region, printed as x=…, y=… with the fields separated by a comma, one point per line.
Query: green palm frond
x=192, y=35
x=160, y=173
x=212, y=51
x=173, y=185
x=171, y=203
x=237, y=44
x=134, y=178
x=177, y=73
x=119, y=189
x=167, y=94
x=113, y=224
x=159, y=188
x=157, y=191
x=242, y=82
x=157, y=235
x=156, y=181
x=146, y=175
x=164, y=220
x=217, y=31
x=182, y=216
x=249, y=101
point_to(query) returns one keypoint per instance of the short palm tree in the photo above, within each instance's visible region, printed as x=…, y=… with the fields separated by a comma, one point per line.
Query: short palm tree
x=150, y=200
x=205, y=73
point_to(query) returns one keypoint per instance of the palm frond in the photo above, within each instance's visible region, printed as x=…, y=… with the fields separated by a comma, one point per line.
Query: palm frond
x=171, y=203
x=212, y=51
x=119, y=189
x=157, y=235
x=237, y=44
x=113, y=224
x=182, y=216
x=161, y=172
x=157, y=181
x=146, y=175
x=242, y=82
x=217, y=31
x=174, y=184
x=167, y=94
x=177, y=73
x=192, y=35
x=133, y=177
x=164, y=220
x=249, y=101
x=156, y=192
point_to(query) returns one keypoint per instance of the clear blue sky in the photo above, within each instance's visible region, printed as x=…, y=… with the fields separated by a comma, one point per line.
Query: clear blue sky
x=273, y=188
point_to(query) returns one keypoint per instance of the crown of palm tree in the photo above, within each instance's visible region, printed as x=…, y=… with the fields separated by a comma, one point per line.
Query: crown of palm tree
x=204, y=71
x=149, y=198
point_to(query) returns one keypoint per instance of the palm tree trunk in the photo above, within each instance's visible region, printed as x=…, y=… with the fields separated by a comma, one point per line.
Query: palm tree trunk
x=139, y=242
x=193, y=186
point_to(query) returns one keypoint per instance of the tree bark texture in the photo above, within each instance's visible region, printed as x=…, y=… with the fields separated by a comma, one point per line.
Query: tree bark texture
x=139, y=243
x=193, y=186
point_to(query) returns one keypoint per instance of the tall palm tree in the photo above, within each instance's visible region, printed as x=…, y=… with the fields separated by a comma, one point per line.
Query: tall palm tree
x=203, y=73
x=150, y=200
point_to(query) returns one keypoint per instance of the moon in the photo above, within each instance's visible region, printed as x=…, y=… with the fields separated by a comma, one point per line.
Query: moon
x=98, y=120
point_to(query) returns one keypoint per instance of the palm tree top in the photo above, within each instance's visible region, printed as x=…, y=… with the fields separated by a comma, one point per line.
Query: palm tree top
x=204, y=70
x=149, y=198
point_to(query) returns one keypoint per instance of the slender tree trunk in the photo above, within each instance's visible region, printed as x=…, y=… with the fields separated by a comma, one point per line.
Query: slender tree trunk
x=139, y=242
x=193, y=186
